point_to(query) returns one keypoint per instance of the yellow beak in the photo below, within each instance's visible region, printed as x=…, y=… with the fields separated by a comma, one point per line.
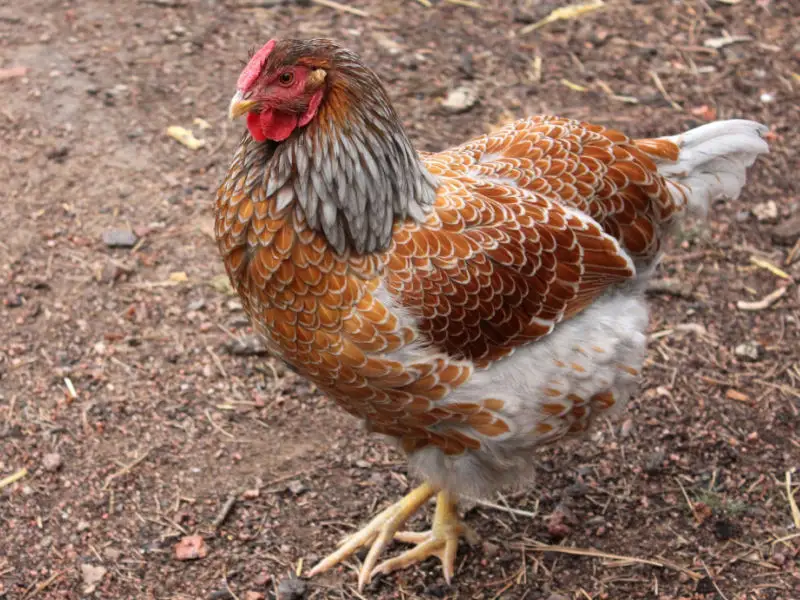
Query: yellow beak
x=240, y=105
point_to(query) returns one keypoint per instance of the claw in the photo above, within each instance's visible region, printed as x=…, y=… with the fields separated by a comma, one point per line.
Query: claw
x=441, y=541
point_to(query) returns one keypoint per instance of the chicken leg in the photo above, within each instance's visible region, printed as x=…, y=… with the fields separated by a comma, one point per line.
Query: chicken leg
x=441, y=541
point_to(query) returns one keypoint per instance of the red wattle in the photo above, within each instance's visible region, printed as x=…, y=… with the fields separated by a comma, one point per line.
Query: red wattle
x=277, y=126
x=254, y=126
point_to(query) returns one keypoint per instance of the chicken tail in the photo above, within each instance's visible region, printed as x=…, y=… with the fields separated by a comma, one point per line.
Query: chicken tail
x=711, y=160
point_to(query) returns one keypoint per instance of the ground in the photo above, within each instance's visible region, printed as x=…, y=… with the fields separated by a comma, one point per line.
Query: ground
x=135, y=411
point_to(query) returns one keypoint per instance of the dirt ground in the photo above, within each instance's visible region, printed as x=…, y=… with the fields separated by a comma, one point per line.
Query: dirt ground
x=135, y=411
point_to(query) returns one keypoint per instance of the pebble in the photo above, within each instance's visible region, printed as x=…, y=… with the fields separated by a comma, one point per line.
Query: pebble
x=119, y=238
x=766, y=211
x=788, y=232
x=51, y=462
x=750, y=351
x=292, y=589
x=296, y=487
x=460, y=99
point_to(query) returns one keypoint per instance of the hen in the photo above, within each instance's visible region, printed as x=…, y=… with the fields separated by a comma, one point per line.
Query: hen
x=471, y=304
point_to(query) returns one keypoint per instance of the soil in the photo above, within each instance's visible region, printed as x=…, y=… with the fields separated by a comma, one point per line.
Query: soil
x=143, y=414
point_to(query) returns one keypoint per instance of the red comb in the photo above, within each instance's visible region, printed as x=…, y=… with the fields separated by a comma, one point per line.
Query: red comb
x=253, y=68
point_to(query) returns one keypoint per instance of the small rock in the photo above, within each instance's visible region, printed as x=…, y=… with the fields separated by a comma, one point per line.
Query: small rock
x=13, y=300
x=191, y=547
x=58, y=154
x=92, y=576
x=750, y=351
x=51, y=462
x=296, y=487
x=460, y=99
x=490, y=550
x=654, y=465
x=559, y=521
x=119, y=238
x=292, y=589
x=262, y=578
x=251, y=595
x=388, y=44
x=766, y=211
x=705, y=586
x=112, y=553
x=557, y=597
x=82, y=526
x=788, y=232
x=221, y=595
x=247, y=345
x=196, y=304
x=725, y=530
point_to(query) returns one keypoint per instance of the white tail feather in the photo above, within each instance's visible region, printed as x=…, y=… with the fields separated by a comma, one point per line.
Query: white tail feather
x=713, y=160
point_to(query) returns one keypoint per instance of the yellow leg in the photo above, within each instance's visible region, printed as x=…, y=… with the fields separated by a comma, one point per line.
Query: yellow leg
x=441, y=540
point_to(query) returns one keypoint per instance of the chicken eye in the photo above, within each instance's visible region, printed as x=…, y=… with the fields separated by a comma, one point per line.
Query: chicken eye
x=286, y=78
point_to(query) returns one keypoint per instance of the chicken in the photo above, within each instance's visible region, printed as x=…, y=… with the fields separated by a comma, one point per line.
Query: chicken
x=469, y=305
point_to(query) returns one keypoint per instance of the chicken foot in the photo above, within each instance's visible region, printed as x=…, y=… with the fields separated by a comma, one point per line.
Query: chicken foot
x=440, y=541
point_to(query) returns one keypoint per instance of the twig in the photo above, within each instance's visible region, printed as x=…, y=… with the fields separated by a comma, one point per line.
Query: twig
x=224, y=511
x=426, y=3
x=506, y=509
x=672, y=287
x=228, y=587
x=468, y=3
x=792, y=502
x=14, y=477
x=660, y=87
x=341, y=7
x=764, y=303
x=689, y=502
x=125, y=469
x=165, y=3
x=714, y=583
x=40, y=587
x=664, y=564
x=217, y=427
x=217, y=362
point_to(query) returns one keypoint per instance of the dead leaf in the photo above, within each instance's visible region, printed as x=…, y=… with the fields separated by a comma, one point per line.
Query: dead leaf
x=185, y=137
x=92, y=575
x=191, y=547
x=178, y=277
x=732, y=394
x=705, y=112
x=222, y=284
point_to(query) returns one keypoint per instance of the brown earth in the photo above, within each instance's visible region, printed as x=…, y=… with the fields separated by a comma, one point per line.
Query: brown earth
x=168, y=423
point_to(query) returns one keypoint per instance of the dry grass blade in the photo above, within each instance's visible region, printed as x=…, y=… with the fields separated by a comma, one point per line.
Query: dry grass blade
x=621, y=560
x=341, y=7
x=764, y=303
x=792, y=501
x=426, y=3
x=660, y=86
x=468, y=3
x=13, y=477
x=564, y=13
x=125, y=469
x=573, y=86
x=764, y=264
